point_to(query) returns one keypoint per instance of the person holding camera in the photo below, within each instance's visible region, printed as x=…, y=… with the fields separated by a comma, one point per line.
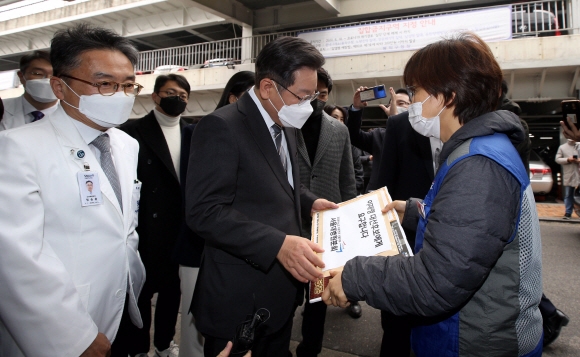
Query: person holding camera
x=567, y=156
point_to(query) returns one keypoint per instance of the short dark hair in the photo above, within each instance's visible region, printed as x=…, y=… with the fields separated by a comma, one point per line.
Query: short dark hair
x=88, y=182
x=402, y=91
x=324, y=77
x=504, y=87
x=330, y=108
x=281, y=58
x=27, y=59
x=238, y=84
x=179, y=79
x=67, y=45
x=463, y=70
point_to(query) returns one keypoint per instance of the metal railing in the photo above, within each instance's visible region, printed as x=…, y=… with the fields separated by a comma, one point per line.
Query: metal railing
x=535, y=18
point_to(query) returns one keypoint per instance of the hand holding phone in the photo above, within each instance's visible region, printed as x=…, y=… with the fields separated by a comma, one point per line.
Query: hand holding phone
x=373, y=93
x=570, y=117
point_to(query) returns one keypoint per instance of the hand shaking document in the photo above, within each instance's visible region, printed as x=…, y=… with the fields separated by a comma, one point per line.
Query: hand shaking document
x=356, y=228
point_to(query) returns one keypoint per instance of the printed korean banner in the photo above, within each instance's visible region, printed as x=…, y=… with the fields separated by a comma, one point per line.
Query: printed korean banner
x=356, y=228
x=493, y=24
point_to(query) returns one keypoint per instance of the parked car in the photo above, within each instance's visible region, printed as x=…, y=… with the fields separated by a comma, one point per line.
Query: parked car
x=540, y=175
x=526, y=22
x=220, y=62
x=168, y=69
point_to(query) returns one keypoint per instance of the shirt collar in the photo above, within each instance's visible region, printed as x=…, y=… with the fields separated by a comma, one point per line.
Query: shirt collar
x=267, y=119
x=29, y=108
x=89, y=134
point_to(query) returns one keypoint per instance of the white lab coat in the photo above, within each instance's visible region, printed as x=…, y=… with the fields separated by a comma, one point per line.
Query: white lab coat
x=14, y=113
x=64, y=267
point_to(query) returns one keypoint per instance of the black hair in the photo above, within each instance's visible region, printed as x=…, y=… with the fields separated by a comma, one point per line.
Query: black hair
x=238, y=84
x=67, y=45
x=330, y=108
x=402, y=91
x=164, y=78
x=27, y=59
x=88, y=182
x=504, y=87
x=281, y=58
x=324, y=77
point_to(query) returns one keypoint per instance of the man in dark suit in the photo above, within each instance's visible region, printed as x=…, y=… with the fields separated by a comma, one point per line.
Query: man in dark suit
x=407, y=169
x=160, y=213
x=326, y=169
x=244, y=197
x=371, y=142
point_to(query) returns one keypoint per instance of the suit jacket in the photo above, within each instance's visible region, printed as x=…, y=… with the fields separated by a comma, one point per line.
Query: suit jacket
x=239, y=200
x=189, y=246
x=370, y=142
x=161, y=212
x=331, y=176
x=406, y=166
x=64, y=267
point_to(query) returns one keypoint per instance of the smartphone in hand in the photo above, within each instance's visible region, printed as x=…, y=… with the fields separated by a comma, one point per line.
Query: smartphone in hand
x=571, y=109
x=373, y=93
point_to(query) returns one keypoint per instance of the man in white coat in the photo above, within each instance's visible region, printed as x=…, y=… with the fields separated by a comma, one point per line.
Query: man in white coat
x=70, y=273
x=38, y=100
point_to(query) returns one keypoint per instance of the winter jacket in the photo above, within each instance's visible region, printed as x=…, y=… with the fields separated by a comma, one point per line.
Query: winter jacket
x=480, y=261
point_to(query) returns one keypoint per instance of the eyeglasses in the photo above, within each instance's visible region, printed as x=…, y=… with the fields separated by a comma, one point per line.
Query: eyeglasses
x=171, y=93
x=306, y=99
x=40, y=75
x=411, y=91
x=108, y=88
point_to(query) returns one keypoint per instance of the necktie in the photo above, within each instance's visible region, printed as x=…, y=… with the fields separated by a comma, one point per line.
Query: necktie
x=37, y=115
x=277, y=134
x=103, y=143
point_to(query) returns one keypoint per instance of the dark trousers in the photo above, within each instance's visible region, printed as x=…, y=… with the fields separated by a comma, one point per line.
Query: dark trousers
x=166, y=310
x=121, y=347
x=274, y=345
x=312, y=328
x=546, y=307
x=396, y=335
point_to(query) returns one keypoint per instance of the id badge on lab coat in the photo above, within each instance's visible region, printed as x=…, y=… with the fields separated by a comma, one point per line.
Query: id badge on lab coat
x=90, y=188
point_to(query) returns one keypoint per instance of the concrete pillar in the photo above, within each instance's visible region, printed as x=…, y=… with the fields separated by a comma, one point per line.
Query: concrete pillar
x=574, y=15
x=246, y=44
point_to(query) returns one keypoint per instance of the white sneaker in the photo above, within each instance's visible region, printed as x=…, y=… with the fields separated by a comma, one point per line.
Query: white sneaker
x=171, y=351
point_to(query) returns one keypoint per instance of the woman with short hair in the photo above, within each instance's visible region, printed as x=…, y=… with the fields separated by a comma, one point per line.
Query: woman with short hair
x=475, y=282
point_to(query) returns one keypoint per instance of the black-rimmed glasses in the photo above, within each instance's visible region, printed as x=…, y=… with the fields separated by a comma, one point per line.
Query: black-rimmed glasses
x=108, y=88
x=306, y=99
x=171, y=93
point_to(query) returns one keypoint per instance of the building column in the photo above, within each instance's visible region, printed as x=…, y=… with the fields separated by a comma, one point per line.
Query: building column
x=246, y=44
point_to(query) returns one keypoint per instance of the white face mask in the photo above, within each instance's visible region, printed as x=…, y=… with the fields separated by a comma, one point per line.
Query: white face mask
x=293, y=116
x=105, y=111
x=401, y=110
x=426, y=127
x=40, y=90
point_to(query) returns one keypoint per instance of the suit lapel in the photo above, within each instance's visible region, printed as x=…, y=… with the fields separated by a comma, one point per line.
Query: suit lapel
x=152, y=135
x=125, y=163
x=302, y=147
x=263, y=138
x=72, y=143
x=326, y=134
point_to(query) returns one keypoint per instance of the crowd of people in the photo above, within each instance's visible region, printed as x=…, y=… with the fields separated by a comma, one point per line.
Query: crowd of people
x=100, y=213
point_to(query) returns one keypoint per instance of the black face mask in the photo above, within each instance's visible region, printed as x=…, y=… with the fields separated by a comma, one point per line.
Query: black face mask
x=318, y=106
x=172, y=106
